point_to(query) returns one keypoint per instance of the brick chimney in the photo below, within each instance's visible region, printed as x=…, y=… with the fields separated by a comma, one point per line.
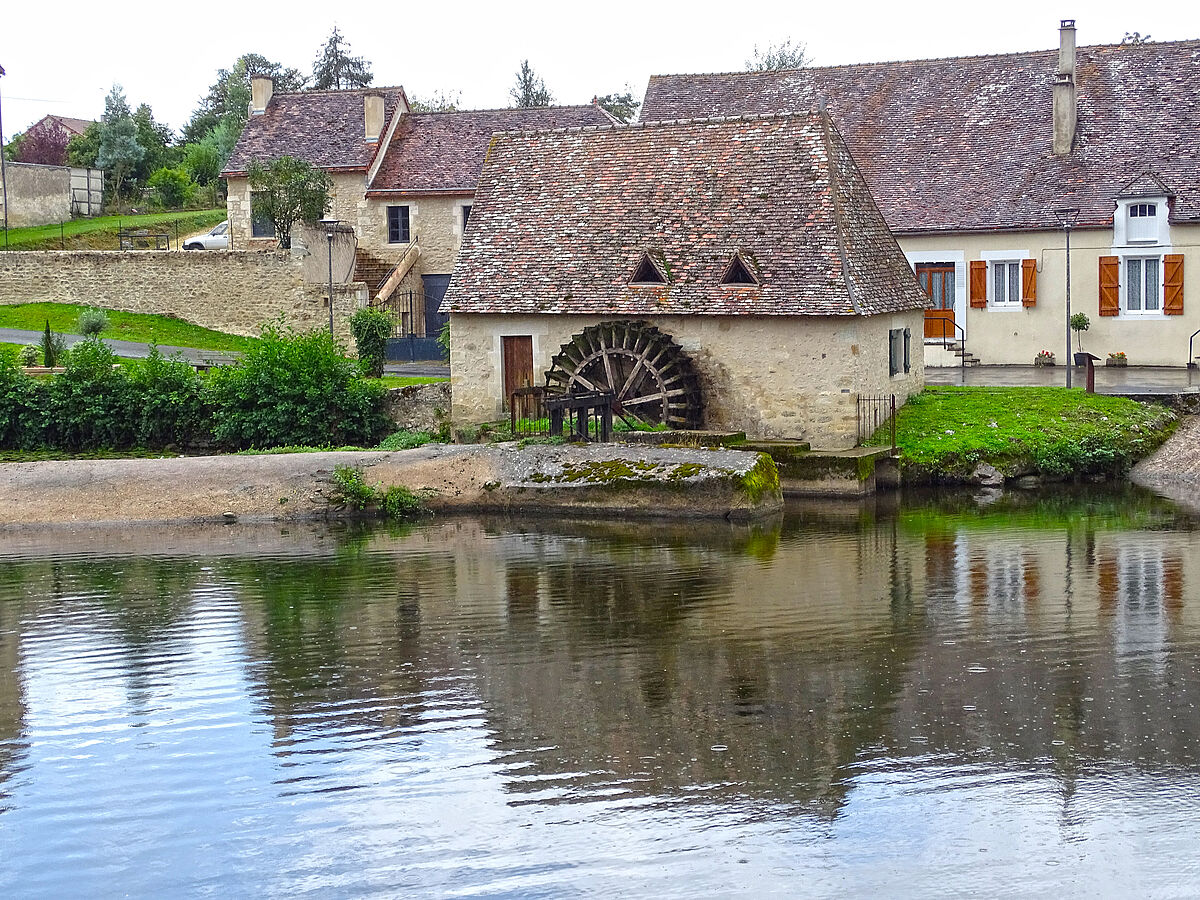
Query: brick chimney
x=373, y=116
x=261, y=89
x=1064, y=90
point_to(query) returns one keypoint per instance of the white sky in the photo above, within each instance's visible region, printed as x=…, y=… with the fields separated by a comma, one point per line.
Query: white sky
x=63, y=57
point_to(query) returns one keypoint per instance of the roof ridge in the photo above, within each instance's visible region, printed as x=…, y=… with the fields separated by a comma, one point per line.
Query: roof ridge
x=327, y=91
x=918, y=60
x=839, y=226
x=457, y=112
x=663, y=123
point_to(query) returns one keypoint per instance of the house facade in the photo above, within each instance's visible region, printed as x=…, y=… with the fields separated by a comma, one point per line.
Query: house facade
x=730, y=273
x=403, y=182
x=975, y=163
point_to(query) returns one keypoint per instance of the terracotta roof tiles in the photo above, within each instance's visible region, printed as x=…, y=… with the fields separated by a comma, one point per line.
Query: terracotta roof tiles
x=563, y=218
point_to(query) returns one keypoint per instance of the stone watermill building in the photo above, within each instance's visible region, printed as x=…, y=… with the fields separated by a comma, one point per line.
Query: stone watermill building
x=728, y=273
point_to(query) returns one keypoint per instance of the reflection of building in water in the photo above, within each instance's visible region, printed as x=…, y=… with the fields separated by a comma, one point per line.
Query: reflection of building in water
x=1141, y=588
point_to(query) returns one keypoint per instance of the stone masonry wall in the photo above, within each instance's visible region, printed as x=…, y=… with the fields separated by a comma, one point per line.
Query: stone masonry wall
x=233, y=291
x=772, y=377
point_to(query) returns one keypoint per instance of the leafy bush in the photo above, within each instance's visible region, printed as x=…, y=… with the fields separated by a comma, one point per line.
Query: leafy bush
x=92, y=322
x=23, y=407
x=170, y=407
x=293, y=388
x=174, y=188
x=371, y=329
x=349, y=488
x=91, y=403
x=405, y=440
x=443, y=339
x=30, y=354
x=400, y=503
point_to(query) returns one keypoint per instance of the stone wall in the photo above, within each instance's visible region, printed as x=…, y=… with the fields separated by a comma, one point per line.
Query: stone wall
x=37, y=195
x=232, y=291
x=420, y=407
x=772, y=377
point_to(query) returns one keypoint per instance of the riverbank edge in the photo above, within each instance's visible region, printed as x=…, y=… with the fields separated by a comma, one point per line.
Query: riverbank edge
x=594, y=480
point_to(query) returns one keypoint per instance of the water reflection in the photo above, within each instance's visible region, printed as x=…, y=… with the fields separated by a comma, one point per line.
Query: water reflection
x=856, y=698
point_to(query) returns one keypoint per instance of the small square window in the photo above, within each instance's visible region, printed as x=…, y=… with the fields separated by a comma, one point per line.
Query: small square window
x=1006, y=283
x=397, y=220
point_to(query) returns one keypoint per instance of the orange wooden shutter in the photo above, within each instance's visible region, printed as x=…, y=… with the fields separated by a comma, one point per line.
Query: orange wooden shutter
x=1110, y=289
x=978, y=283
x=1029, y=282
x=1173, y=284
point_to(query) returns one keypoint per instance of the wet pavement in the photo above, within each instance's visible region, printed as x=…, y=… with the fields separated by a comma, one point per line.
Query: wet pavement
x=1109, y=379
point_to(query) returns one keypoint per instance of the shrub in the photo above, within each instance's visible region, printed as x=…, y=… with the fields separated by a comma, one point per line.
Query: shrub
x=405, y=440
x=293, y=388
x=349, y=488
x=54, y=348
x=30, y=354
x=170, y=406
x=91, y=404
x=23, y=407
x=443, y=340
x=400, y=503
x=173, y=188
x=371, y=329
x=92, y=322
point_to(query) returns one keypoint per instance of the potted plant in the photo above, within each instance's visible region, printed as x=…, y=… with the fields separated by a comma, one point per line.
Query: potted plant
x=1079, y=324
x=1117, y=359
x=1044, y=358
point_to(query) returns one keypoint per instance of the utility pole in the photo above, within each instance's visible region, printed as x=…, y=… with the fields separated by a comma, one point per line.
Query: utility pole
x=3, y=175
x=1066, y=218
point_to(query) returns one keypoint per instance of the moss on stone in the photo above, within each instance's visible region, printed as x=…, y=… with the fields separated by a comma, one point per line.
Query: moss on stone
x=762, y=478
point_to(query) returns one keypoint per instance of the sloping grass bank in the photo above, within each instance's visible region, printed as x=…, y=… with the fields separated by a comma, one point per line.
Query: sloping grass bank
x=122, y=326
x=946, y=432
x=100, y=233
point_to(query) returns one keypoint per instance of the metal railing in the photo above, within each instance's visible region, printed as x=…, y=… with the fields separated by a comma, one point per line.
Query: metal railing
x=406, y=309
x=962, y=342
x=874, y=413
x=581, y=416
x=1191, y=363
x=527, y=412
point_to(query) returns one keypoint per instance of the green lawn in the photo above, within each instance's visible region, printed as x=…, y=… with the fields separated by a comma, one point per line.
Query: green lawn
x=100, y=233
x=398, y=381
x=125, y=326
x=946, y=431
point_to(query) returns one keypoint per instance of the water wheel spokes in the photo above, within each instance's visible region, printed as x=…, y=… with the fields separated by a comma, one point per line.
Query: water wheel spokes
x=650, y=376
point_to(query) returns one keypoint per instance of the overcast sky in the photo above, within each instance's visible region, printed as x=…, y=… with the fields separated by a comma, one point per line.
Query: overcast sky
x=62, y=57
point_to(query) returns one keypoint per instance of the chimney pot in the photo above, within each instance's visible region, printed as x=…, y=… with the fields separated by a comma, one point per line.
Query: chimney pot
x=372, y=116
x=261, y=89
x=1065, y=104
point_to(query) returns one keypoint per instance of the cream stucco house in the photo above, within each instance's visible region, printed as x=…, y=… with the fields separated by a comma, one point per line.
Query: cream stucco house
x=970, y=159
x=732, y=272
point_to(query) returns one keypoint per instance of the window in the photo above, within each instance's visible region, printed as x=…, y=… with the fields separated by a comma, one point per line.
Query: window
x=737, y=273
x=260, y=226
x=1006, y=283
x=938, y=281
x=1143, y=288
x=466, y=214
x=647, y=272
x=397, y=220
x=899, y=351
x=1143, y=222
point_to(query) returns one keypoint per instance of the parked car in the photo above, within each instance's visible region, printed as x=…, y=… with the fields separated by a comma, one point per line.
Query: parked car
x=217, y=239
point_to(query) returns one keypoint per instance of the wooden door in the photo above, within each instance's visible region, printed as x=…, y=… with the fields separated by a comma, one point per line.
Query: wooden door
x=937, y=279
x=517, y=351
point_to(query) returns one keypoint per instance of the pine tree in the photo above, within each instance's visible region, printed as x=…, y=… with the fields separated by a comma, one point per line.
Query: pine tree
x=334, y=67
x=119, y=149
x=530, y=90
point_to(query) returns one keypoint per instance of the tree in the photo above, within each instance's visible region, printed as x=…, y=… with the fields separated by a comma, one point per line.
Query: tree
x=621, y=107
x=174, y=187
x=530, y=90
x=334, y=67
x=45, y=144
x=119, y=149
x=158, y=142
x=83, y=149
x=785, y=55
x=287, y=191
x=229, y=96
x=1135, y=37
x=438, y=101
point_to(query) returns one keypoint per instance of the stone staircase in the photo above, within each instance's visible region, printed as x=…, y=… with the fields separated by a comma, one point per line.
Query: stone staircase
x=952, y=355
x=370, y=269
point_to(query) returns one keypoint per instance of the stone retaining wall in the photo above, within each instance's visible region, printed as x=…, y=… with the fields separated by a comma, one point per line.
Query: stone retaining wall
x=233, y=291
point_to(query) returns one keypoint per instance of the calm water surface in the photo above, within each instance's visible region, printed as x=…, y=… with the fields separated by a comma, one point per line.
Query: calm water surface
x=961, y=695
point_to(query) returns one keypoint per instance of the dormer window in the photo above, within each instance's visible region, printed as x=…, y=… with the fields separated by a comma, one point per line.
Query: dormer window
x=1142, y=225
x=647, y=272
x=737, y=274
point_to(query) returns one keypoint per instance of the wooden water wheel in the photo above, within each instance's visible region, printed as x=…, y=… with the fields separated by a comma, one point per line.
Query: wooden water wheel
x=649, y=373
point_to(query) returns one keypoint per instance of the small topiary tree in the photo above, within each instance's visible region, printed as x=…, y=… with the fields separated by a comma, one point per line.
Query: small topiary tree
x=371, y=329
x=1079, y=324
x=92, y=322
x=54, y=348
x=30, y=354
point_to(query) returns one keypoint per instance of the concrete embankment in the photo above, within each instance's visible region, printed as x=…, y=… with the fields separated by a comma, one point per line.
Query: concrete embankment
x=610, y=479
x=1173, y=470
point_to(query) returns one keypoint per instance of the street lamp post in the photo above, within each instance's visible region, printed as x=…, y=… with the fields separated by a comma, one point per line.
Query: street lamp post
x=3, y=176
x=330, y=230
x=1066, y=218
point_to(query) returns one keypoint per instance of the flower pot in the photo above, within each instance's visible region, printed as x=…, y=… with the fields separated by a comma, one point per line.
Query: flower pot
x=1120, y=363
x=1043, y=361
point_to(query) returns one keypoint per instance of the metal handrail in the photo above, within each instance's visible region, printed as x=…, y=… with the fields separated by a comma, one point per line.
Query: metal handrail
x=945, y=346
x=1191, y=361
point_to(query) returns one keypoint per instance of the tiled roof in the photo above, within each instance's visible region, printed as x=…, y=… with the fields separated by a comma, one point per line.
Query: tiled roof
x=75, y=126
x=323, y=128
x=562, y=219
x=444, y=152
x=965, y=144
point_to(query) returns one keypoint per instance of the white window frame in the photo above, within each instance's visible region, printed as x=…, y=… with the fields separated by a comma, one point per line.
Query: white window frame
x=959, y=259
x=1121, y=219
x=1142, y=313
x=998, y=257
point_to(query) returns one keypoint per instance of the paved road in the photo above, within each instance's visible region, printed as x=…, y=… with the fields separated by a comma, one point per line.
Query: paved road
x=138, y=350
x=1109, y=379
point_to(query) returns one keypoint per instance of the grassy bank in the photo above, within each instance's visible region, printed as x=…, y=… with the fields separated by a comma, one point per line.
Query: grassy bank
x=946, y=432
x=123, y=326
x=100, y=233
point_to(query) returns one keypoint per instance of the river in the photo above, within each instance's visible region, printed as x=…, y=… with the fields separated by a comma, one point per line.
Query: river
x=992, y=694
